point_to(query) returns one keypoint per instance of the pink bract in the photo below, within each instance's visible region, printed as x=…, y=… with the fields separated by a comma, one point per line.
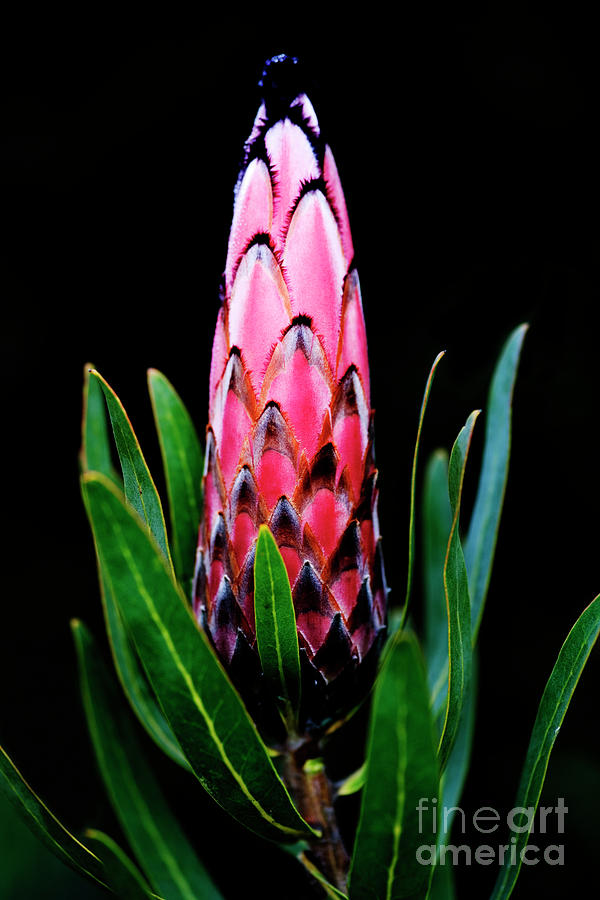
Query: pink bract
x=290, y=434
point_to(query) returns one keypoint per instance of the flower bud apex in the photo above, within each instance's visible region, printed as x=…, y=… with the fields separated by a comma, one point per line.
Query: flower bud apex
x=290, y=434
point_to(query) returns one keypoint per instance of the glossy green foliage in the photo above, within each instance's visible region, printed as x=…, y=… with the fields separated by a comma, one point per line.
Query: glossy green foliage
x=160, y=845
x=276, y=632
x=95, y=452
x=402, y=767
x=451, y=787
x=133, y=678
x=27, y=863
x=442, y=885
x=139, y=487
x=478, y=557
x=553, y=706
x=437, y=524
x=183, y=462
x=329, y=891
x=353, y=783
x=124, y=877
x=45, y=825
x=183, y=697
x=205, y=712
x=95, y=448
x=480, y=543
x=458, y=605
x=413, y=487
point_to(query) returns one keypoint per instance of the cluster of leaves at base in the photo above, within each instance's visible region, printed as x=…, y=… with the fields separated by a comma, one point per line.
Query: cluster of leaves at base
x=422, y=711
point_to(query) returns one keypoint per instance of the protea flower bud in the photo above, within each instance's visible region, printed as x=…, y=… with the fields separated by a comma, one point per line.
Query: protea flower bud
x=290, y=434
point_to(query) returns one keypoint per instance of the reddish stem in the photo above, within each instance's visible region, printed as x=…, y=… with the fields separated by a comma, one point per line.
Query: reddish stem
x=313, y=792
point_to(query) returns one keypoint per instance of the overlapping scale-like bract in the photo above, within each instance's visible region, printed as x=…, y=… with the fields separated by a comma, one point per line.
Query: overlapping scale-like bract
x=290, y=434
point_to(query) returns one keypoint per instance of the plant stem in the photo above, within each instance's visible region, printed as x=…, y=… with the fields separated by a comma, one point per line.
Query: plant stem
x=312, y=790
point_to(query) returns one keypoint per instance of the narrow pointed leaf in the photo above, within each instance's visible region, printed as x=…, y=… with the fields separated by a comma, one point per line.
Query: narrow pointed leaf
x=457, y=767
x=328, y=889
x=457, y=599
x=276, y=632
x=204, y=710
x=401, y=768
x=182, y=460
x=481, y=539
x=123, y=875
x=451, y=787
x=353, y=783
x=413, y=484
x=160, y=845
x=128, y=668
x=95, y=456
x=553, y=706
x=437, y=524
x=133, y=678
x=442, y=884
x=140, y=489
x=95, y=444
x=44, y=824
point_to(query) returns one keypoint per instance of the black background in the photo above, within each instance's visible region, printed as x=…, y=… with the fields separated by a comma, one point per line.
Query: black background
x=468, y=152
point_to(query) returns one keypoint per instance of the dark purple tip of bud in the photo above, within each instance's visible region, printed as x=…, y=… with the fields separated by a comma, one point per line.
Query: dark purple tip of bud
x=282, y=80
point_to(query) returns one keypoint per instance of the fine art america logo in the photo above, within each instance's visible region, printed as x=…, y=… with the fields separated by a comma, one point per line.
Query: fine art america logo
x=487, y=820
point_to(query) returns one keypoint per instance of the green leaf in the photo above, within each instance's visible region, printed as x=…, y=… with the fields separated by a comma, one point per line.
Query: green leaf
x=124, y=877
x=353, y=783
x=183, y=463
x=133, y=678
x=28, y=865
x=402, y=768
x=205, y=712
x=128, y=668
x=95, y=445
x=483, y=529
x=437, y=524
x=160, y=845
x=276, y=633
x=442, y=885
x=553, y=706
x=451, y=787
x=413, y=483
x=457, y=598
x=457, y=767
x=45, y=825
x=329, y=889
x=140, y=489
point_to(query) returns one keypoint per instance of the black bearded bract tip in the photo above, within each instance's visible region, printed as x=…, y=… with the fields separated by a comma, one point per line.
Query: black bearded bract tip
x=281, y=81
